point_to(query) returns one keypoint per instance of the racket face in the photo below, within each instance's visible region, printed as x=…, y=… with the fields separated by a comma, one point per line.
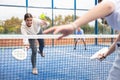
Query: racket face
x=19, y=54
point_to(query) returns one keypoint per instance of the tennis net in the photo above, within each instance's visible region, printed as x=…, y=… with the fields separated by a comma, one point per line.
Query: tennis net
x=63, y=60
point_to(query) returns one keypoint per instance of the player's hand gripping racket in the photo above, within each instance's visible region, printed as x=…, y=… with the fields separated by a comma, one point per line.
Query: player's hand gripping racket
x=19, y=54
x=98, y=53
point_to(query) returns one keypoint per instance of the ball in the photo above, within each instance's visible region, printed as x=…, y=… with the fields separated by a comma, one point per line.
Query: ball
x=42, y=16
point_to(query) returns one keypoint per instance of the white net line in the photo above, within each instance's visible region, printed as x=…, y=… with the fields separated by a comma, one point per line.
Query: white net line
x=51, y=36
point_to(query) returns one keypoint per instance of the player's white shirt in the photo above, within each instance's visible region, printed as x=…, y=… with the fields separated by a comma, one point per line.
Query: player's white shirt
x=33, y=30
x=80, y=32
x=114, y=18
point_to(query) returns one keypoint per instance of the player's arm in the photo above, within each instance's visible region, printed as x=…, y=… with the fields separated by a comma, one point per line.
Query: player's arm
x=42, y=23
x=112, y=47
x=103, y=9
x=110, y=50
x=25, y=40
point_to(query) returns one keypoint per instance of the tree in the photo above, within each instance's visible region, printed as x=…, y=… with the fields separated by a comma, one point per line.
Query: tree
x=12, y=25
x=1, y=29
x=58, y=20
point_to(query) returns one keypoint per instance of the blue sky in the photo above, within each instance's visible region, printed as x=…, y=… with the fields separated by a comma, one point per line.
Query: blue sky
x=8, y=12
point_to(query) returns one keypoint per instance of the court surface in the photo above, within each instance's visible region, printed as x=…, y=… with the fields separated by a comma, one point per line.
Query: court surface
x=59, y=63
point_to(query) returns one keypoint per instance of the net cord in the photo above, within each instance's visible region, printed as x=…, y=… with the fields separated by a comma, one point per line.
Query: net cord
x=51, y=36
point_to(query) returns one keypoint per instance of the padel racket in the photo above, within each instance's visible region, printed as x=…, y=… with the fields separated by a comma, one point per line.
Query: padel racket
x=96, y=55
x=19, y=54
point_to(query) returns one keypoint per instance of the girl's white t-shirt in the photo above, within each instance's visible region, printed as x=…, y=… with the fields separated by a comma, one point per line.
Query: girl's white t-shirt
x=33, y=30
x=114, y=18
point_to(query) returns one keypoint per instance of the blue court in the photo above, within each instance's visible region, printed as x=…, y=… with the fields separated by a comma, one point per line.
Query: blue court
x=59, y=63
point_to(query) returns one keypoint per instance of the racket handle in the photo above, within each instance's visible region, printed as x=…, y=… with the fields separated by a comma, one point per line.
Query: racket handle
x=101, y=59
x=26, y=49
x=99, y=55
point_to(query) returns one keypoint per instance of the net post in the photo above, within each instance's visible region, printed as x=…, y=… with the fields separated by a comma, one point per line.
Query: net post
x=74, y=16
x=26, y=6
x=96, y=26
x=112, y=32
x=52, y=19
